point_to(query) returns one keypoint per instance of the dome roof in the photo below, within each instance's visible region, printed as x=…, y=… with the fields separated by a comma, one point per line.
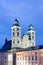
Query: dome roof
x=31, y=27
x=16, y=23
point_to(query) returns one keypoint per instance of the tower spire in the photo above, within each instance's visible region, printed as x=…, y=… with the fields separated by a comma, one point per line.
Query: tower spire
x=16, y=22
x=30, y=27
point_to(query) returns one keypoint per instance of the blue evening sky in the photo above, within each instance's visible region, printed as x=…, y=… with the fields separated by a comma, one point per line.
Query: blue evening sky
x=27, y=12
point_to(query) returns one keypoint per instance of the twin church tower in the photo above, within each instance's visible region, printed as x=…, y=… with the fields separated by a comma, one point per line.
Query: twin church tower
x=25, y=41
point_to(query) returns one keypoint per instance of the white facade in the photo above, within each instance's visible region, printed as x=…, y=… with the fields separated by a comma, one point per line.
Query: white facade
x=27, y=40
x=10, y=59
x=16, y=35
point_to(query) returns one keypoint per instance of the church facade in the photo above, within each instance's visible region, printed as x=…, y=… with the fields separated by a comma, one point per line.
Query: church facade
x=21, y=50
x=27, y=40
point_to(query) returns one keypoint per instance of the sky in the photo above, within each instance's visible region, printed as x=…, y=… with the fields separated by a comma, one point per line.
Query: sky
x=27, y=12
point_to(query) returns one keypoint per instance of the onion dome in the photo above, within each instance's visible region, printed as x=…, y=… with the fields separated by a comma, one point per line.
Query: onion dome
x=31, y=27
x=16, y=23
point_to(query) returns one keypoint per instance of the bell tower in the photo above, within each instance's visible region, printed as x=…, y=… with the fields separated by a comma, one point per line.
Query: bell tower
x=31, y=35
x=16, y=34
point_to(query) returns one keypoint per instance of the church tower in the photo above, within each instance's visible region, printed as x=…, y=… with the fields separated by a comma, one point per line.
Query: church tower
x=16, y=34
x=31, y=35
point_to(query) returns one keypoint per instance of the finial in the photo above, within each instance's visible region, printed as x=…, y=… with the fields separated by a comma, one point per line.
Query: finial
x=16, y=22
x=31, y=27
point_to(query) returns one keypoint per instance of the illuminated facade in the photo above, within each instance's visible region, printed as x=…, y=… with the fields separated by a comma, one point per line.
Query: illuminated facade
x=21, y=50
x=29, y=56
x=27, y=40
